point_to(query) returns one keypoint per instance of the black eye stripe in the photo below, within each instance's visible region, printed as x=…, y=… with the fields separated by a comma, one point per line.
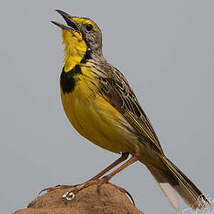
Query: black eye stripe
x=89, y=27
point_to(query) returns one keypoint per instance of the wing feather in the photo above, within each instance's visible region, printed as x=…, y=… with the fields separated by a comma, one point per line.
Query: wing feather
x=114, y=87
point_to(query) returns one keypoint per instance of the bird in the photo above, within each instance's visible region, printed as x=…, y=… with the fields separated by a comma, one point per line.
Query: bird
x=103, y=108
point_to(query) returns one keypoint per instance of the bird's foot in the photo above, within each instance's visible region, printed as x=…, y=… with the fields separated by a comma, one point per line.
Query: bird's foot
x=75, y=189
x=99, y=182
x=61, y=187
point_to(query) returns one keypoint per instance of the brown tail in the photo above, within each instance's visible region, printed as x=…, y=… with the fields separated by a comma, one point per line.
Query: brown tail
x=171, y=178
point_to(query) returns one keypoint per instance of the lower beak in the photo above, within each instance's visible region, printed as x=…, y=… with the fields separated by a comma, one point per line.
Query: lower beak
x=71, y=24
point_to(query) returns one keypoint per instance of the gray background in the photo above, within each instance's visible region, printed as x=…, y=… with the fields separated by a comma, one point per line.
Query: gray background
x=165, y=49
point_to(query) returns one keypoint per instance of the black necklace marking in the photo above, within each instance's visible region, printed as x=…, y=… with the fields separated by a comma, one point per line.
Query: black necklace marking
x=88, y=51
x=67, y=80
x=86, y=56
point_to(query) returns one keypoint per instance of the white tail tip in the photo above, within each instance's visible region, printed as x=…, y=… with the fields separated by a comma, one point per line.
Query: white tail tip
x=170, y=193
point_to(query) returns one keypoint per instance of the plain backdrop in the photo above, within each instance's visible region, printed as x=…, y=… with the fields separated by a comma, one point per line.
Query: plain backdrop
x=164, y=48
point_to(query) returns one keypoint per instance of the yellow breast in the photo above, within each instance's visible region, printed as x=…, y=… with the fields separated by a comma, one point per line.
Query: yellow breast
x=94, y=118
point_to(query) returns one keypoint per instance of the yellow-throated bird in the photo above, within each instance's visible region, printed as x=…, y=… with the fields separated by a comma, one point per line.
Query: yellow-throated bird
x=102, y=107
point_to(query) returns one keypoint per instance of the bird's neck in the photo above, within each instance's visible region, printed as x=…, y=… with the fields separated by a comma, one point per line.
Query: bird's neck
x=75, y=49
x=77, y=52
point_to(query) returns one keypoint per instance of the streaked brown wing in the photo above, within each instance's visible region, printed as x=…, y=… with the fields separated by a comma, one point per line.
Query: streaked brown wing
x=116, y=89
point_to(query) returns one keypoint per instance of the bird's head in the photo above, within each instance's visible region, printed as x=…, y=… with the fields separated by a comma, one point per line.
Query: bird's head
x=82, y=39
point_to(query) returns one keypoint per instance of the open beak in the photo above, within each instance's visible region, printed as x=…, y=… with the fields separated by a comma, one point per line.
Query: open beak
x=71, y=24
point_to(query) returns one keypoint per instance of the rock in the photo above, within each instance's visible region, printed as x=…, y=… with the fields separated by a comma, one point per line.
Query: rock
x=108, y=200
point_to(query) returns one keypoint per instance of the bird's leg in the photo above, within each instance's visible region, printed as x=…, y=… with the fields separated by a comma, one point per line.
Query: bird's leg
x=132, y=160
x=70, y=195
x=123, y=157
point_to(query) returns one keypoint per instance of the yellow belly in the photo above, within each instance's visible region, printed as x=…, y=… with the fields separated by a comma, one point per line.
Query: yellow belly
x=97, y=120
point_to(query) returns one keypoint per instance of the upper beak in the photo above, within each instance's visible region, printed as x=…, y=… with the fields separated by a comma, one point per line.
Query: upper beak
x=72, y=25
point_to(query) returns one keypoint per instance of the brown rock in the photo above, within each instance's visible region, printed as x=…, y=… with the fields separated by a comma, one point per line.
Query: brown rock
x=108, y=200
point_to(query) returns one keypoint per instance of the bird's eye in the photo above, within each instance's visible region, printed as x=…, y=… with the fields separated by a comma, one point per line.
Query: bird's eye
x=89, y=27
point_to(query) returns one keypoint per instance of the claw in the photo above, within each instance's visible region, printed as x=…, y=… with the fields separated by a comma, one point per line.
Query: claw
x=124, y=191
x=50, y=189
x=105, y=181
x=130, y=196
x=43, y=190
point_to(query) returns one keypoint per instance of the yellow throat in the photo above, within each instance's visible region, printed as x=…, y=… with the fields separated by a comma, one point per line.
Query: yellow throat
x=75, y=49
